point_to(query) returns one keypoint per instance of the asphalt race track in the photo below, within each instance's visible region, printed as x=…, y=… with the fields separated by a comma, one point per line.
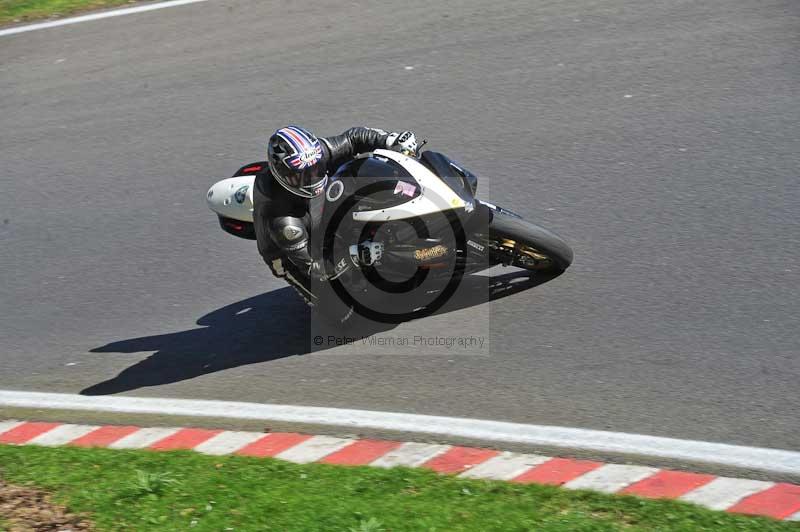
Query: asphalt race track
x=662, y=140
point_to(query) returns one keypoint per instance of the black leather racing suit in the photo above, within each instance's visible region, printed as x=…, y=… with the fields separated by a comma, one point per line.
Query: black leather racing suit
x=284, y=221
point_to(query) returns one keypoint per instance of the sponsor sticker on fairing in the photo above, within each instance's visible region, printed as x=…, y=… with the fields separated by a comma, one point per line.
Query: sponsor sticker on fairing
x=335, y=190
x=475, y=245
x=406, y=189
x=240, y=194
x=430, y=253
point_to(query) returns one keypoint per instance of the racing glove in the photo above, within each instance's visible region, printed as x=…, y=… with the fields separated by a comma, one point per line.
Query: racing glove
x=404, y=141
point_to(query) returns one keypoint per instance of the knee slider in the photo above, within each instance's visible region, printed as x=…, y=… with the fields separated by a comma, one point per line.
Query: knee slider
x=289, y=232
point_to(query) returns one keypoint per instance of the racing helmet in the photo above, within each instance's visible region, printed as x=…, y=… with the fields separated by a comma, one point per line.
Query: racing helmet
x=295, y=157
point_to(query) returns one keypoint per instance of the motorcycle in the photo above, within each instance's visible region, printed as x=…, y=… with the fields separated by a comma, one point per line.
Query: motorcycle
x=397, y=233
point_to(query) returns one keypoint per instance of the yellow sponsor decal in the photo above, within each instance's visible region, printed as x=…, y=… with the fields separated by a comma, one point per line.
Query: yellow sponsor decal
x=430, y=253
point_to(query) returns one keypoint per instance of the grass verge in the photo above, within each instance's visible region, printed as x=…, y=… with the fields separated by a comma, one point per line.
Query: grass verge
x=17, y=11
x=140, y=490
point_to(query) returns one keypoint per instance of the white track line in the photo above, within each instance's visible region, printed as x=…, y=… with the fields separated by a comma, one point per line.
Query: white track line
x=96, y=16
x=767, y=460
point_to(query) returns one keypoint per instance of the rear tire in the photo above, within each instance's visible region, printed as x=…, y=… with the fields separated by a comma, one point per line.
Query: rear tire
x=516, y=242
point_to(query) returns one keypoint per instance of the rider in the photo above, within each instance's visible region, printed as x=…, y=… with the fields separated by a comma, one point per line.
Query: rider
x=299, y=165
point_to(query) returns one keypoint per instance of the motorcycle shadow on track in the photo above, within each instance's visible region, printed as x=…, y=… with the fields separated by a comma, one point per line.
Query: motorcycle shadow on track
x=266, y=327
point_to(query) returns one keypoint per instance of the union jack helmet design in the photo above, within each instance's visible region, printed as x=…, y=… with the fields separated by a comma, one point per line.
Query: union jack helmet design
x=294, y=155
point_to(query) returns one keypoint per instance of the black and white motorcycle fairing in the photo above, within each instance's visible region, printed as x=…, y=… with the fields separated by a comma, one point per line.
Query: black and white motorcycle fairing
x=397, y=232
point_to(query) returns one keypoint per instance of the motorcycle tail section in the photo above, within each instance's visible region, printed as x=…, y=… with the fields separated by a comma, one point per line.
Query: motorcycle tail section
x=232, y=200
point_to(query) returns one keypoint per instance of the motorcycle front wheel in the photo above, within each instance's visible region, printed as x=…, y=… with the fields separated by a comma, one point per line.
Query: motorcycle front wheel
x=516, y=242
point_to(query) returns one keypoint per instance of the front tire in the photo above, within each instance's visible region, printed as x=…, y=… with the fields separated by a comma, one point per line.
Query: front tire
x=517, y=242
